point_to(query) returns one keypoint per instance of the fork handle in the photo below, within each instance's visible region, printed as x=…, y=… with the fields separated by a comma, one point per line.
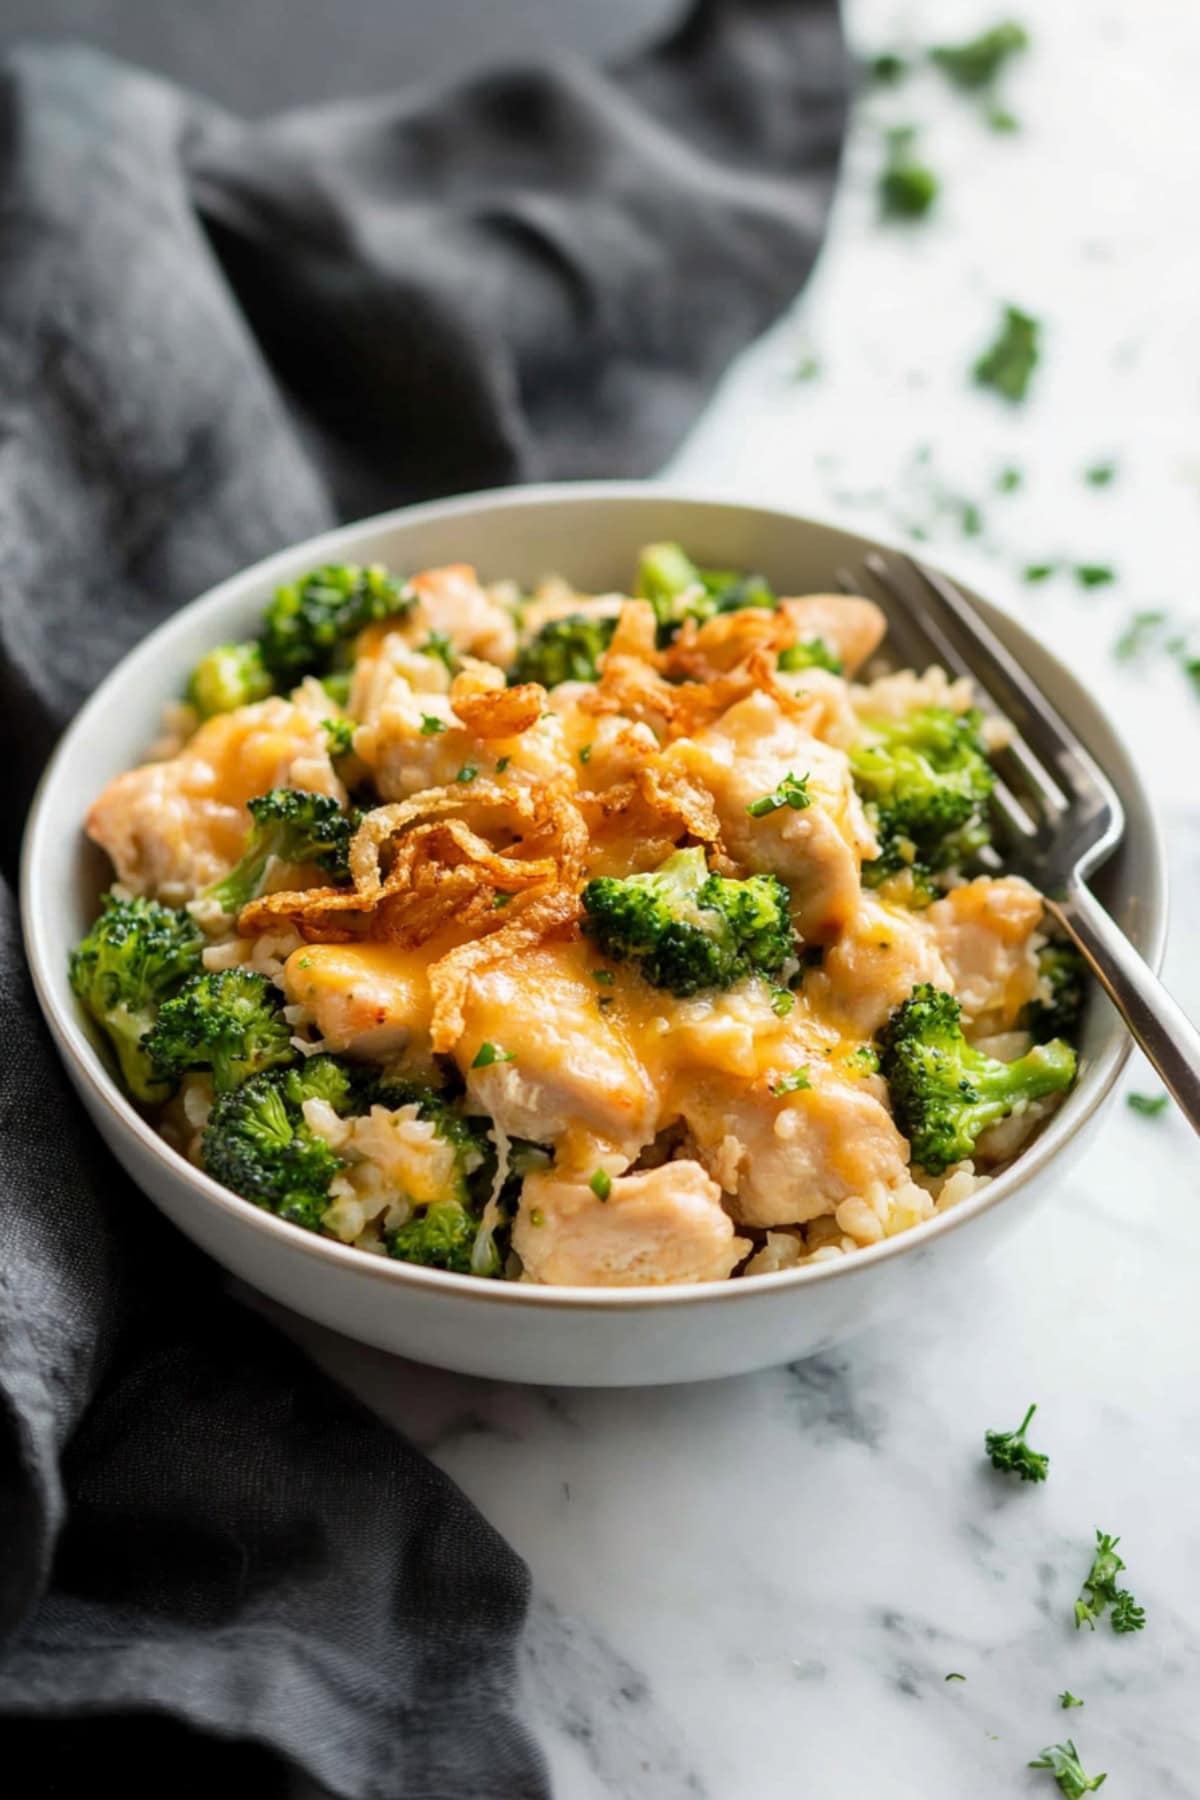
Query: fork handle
x=1169, y=1039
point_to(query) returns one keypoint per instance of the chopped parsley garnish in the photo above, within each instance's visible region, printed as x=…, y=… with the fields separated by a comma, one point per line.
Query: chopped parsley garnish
x=439, y=645
x=536, y=1216
x=487, y=1054
x=468, y=772
x=782, y=1002
x=978, y=62
x=339, y=736
x=1039, y=571
x=1100, y=1591
x=907, y=187
x=585, y=755
x=1012, y=1455
x=793, y=1083
x=1135, y=638
x=792, y=791
x=1067, y=1699
x=1008, y=363
x=503, y=764
x=601, y=1184
x=1100, y=474
x=1149, y=1105
x=1091, y=575
x=604, y=976
x=503, y=899
x=431, y=725
x=1063, y=1762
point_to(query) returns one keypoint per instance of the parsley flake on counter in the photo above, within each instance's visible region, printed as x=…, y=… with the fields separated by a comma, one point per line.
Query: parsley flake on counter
x=601, y=1184
x=954, y=1676
x=793, y=1083
x=1067, y=1699
x=807, y=368
x=1137, y=634
x=907, y=187
x=976, y=63
x=1010, y=1453
x=1008, y=363
x=888, y=68
x=1063, y=1762
x=999, y=119
x=1009, y=480
x=792, y=791
x=1038, y=571
x=1100, y=474
x=1149, y=1105
x=1100, y=1591
x=1092, y=575
x=487, y=1054
x=431, y=725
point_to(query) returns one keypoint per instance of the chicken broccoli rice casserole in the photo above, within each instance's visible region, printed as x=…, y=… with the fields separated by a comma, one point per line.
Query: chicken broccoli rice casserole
x=576, y=938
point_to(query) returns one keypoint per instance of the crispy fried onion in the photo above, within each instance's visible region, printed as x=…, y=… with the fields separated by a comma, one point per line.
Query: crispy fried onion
x=491, y=711
x=426, y=863
x=651, y=811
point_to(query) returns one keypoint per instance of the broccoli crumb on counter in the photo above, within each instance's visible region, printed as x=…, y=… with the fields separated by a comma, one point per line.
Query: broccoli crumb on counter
x=1009, y=1452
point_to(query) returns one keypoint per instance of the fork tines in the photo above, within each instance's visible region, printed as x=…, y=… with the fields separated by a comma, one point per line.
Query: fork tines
x=1043, y=772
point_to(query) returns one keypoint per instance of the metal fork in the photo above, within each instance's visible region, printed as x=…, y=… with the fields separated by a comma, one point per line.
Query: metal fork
x=1057, y=815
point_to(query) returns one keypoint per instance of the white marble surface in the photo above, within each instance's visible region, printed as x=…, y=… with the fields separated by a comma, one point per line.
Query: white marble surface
x=753, y=1590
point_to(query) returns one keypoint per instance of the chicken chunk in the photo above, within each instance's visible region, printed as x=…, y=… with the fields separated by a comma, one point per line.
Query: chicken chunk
x=661, y=1226
x=364, y=1000
x=452, y=602
x=413, y=740
x=817, y=850
x=786, y=1159
x=173, y=827
x=872, y=968
x=986, y=931
x=570, y=1067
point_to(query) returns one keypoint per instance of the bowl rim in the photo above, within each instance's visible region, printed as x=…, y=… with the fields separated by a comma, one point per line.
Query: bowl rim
x=85, y=1063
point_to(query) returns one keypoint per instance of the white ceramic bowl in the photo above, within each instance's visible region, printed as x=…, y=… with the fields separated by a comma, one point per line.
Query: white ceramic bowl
x=587, y=1336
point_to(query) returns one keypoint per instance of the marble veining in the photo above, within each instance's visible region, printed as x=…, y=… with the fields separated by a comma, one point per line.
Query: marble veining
x=755, y=1589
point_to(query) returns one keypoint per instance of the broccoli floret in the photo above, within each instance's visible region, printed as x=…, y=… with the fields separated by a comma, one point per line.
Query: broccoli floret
x=232, y=675
x=925, y=779
x=135, y=956
x=564, y=650
x=441, y=1236
x=450, y=1231
x=294, y=826
x=813, y=653
x=308, y=626
x=688, y=929
x=231, y=1022
x=678, y=590
x=256, y=1140
x=1062, y=967
x=944, y=1093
